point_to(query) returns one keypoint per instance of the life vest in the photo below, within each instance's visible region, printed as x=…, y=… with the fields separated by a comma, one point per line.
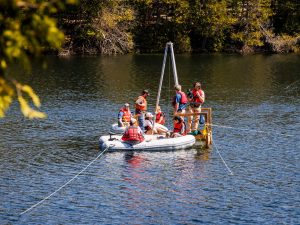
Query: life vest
x=183, y=99
x=126, y=115
x=178, y=127
x=143, y=101
x=160, y=115
x=133, y=133
x=196, y=100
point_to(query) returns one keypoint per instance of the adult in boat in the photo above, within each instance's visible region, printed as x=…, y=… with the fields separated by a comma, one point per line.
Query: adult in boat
x=179, y=100
x=179, y=127
x=141, y=108
x=151, y=128
x=160, y=116
x=133, y=134
x=124, y=116
x=196, y=100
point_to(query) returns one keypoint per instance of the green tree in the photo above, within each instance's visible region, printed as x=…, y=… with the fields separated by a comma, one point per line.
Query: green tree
x=251, y=16
x=286, y=19
x=160, y=21
x=26, y=30
x=98, y=26
x=211, y=22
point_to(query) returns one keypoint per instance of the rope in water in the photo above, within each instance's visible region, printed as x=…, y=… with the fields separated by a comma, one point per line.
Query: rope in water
x=214, y=144
x=254, y=131
x=44, y=199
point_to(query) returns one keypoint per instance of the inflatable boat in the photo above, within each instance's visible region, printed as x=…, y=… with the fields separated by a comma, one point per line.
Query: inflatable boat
x=151, y=143
x=116, y=129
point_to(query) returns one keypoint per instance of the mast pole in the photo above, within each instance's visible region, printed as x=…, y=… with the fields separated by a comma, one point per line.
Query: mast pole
x=162, y=76
x=173, y=63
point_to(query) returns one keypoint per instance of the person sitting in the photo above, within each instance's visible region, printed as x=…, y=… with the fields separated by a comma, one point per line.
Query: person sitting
x=124, y=116
x=151, y=128
x=160, y=116
x=179, y=127
x=133, y=134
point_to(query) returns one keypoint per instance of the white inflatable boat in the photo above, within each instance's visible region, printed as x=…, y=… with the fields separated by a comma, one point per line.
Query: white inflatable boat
x=116, y=129
x=120, y=130
x=151, y=143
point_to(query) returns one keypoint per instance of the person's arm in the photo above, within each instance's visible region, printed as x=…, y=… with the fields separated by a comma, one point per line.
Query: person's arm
x=120, y=115
x=177, y=101
x=201, y=96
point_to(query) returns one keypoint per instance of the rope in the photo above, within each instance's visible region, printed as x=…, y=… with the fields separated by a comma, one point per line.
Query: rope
x=44, y=199
x=230, y=172
x=254, y=131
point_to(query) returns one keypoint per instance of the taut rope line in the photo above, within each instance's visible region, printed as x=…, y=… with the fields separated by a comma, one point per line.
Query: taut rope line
x=230, y=172
x=44, y=199
x=254, y=131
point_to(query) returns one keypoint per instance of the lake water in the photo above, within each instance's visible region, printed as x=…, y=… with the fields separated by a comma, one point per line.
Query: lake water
x=251, y=174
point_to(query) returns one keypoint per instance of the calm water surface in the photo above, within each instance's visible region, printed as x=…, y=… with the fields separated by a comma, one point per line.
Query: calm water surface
x=256, y=105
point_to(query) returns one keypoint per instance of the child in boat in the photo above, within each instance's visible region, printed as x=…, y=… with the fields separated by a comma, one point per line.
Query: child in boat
x=133, y=134
x=160, y=116
x=151, y=128
x=179, y=127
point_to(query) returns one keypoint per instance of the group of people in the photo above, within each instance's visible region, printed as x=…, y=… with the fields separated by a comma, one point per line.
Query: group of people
x=182, y=103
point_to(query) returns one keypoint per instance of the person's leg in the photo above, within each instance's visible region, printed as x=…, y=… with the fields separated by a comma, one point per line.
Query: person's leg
x=141, y=119
x=196, y=118
x=190, y=119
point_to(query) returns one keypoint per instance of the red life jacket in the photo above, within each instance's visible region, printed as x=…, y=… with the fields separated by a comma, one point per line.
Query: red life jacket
x=133, y=133
x=196, y=99
x=142, y=100
x=180, y=128
x=183, y=99
x=126, y=115
x=160, y=115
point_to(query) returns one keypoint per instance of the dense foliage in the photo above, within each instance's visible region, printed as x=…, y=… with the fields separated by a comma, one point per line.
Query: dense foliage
x=103, y=26
x=26, y=28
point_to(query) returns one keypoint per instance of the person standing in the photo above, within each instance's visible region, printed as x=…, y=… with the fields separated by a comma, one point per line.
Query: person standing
x=141, y=108
x=179, y=101
x=124, y=116
x=196, y=101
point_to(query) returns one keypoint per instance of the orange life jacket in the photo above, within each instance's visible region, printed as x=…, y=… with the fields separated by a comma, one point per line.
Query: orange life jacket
x=180, y=128
x=143, y=100
x=133, y=133
x=126, y=115
x=196, y=100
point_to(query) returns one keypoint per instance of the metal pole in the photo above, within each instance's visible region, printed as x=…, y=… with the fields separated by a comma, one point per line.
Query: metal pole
x=162, y=75
x=173, y=63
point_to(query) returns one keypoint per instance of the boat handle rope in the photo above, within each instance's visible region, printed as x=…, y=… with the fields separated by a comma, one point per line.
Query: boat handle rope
x=61, y=187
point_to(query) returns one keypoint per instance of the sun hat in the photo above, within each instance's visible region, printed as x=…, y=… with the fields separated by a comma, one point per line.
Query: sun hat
x=149, y=115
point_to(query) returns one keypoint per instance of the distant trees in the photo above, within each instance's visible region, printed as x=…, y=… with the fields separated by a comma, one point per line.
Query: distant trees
x=113, y=26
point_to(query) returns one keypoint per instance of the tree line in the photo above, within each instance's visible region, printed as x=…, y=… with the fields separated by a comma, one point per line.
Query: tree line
x=122, y=26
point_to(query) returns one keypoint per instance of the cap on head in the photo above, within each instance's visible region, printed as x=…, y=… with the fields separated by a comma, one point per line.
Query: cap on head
x=126, y=105
x=145, y=92
x=148, y=115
